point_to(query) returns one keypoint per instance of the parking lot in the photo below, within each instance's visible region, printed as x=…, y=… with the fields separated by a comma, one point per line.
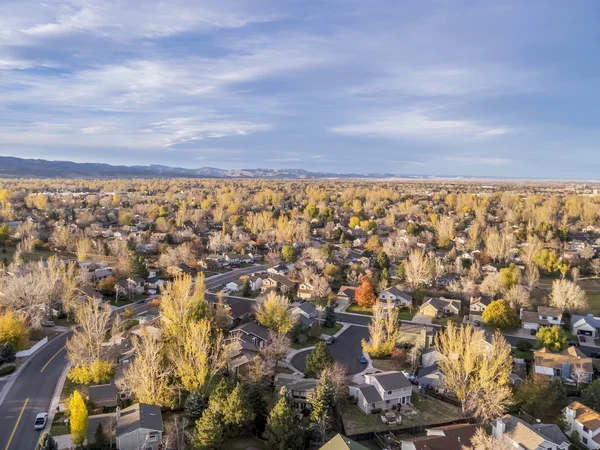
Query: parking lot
x=346, y=350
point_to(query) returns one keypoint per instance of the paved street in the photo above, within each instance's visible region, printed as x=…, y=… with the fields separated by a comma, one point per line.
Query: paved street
x=347, y=350
x=31, y=394
x=225, y=278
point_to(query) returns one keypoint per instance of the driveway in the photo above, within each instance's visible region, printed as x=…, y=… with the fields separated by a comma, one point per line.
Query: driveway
x=420, y=318
x=347, y=350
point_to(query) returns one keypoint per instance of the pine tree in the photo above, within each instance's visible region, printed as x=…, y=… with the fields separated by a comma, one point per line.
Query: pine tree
x=323, y=401
x=257, y=403
x=246, y=288
x=282, y=431
x=100, y=437
x=385, y=277
x=195, y=405
x=47, y=442
x=209, y=431
x=138, y=267
x=383, y=261
x=78, y=418
x=317, y=359
x=330, y=318
x=236, y=412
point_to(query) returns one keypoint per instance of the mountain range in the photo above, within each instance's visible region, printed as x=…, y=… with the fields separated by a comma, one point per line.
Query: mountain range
x=40, y=168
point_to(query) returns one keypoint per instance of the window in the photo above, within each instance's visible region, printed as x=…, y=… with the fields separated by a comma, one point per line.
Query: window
x=387, y=402
x=389, y=392
x=152, y=437
x=123, y=395
x=586, y=429
x=584, y=440
x=372, y=405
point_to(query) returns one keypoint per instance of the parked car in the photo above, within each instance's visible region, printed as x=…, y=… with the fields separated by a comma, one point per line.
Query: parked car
x=533, y=332
x=476, y=323
x=573, y=344
x=331, y=340
x=40, y=421
x=595, y=355
x=363, y=360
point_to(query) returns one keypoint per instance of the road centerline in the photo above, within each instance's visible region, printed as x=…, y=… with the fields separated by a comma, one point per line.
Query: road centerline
x=16, y=424
x=50, y=360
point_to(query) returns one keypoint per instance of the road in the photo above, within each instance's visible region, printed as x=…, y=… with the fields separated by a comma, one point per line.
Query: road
x=227, y=277
x=31, y=394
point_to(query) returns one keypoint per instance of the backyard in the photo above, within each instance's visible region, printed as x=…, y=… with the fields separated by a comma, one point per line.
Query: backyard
x=590, y=285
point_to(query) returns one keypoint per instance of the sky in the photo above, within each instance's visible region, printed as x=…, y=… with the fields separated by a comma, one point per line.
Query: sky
x=428, y=87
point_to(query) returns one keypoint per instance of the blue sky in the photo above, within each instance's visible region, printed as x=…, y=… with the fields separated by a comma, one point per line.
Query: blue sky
x=428, y=87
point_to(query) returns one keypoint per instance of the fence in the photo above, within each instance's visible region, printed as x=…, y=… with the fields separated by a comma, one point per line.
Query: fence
x=33, y=349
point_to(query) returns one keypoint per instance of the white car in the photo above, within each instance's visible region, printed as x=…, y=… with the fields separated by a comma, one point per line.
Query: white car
x=40, y=421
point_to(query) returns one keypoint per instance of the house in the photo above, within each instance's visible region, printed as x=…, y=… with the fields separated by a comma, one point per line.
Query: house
x=478, y=304
x=305, y=312
x=251, y=334
x=544, y=317
x=140, y=424
x=398, y=297
x=586, y=422
x=255, y=281
x=234, y=286
x=89, y=292
x=278, y=282
x=306, y=291
x=154, y=283
x=450, y=437
x=489, y=269
x=571, y=365
x=346, y=293
x=587, y=325
x=430, y=377
x=382, y=391
x=416, y=334
x=180, y=269
x=339, y=442
x=130, y=286
x=280, y=269
x=106, y=395
x=138, y=427
x=300, y=391
x=439, y=307
x=522, y=435
x=430, y=356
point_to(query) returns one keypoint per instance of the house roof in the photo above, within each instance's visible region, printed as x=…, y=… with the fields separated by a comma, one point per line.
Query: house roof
x=102, y=391
x=339, y=442
x=392, y=380
x=140, y=415
x=578, y=321
x=441, y=303
x=398, y=293
x=347, y=291
x=253, y=328
x=551, y=432
x=370, y=393
x=452, y=437
x=308, y=308
x=281, y=280
x=107, y=420
x=529, y=437
x=549, y=311
x=571, y=355
x=425, y=371
x=585, y=415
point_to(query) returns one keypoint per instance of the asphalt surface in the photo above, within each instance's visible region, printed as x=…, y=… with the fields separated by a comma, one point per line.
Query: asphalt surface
x=225, y=278
x=31, y=394
x=347, y=350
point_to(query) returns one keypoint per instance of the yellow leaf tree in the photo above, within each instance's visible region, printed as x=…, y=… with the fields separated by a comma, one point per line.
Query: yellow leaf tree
x=78, y=415
x=13, y=330
x=273, y=313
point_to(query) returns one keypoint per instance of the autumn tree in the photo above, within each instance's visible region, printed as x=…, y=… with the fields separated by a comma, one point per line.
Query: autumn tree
x=541, y=397
x=273, y=313
x=418, y=268
x=383, y=330
x=552, y=338
x=13, y=330
x=78, y=415
x=483, y=441
x=568, y=296
x=182, y=302
x=517, y=297
x=478, y=376
x=365, y=295
x=499, y=314
x=445, y=231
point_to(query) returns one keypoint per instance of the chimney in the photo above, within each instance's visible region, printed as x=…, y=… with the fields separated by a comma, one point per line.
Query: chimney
x=499, y=429
x=118, y=413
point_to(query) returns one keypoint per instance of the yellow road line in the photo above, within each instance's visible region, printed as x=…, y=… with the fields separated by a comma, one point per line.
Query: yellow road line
x=55, y=355
x=16, y=424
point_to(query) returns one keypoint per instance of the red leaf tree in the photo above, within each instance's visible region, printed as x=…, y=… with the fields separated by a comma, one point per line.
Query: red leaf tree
x=365, y=296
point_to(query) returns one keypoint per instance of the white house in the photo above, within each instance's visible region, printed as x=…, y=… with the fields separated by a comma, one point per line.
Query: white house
x=139, y=426
x=522, y=435
x=478, y=304
x=587, y=325
x=382, y=391
x=305, y=312
x=306, y=290
x=544, y=317
x=400, y=298
x=586, y=422
x=450, y=437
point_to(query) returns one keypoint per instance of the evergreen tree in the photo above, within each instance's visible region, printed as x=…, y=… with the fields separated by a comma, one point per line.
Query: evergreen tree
x=383, y=261
x=323, y=401
x=246, y=288
x=257, y=403
x=138, y=267
x=237, y=414
x=385, y=278
x=78, y=415
x=282, y=431
x=317, y=360
x=330, y=317
x=209, y=431
x=100, y=437
x=327, y=252
x=47, y=442
x=7, y=353
x=195, y=405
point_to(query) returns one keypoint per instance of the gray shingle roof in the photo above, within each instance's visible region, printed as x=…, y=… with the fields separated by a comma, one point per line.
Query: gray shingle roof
x=370, y=393
x=138, y=416
x=102, y=391
x=392, y=380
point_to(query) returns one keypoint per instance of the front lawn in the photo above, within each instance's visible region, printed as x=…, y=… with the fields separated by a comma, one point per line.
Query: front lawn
x=330, y=331
x=357, y=309
x=59, y=427
x=71, y=387
x=404, y=313
x=387, y=364
x=527, y=355
x=310, y=342
x=284, y=370
x=458, y=320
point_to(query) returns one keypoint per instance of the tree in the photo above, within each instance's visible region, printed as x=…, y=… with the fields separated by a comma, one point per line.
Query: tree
x=209, y=431
x=418, y=268
x=13, y=330
x=479, y=378
x=78, y=415
x=4, y=233
x=107, y=286
x=383, y=261
x=517, y=297
x=492, y=285
x=237, y=414
x=7, y=353
x=194, y=405
x=330, y=317
x=273, y=313
x=182, y=303
x=364, y=295
x=86, y=344
x=258, y=404
x=100, y=437
x=567, y=296
x=323, y=401
x=552, y=338
x=246, y=288
x=327, y=252
x=383, y=330
x=373, y=244
x=510, y=276
x=138, y=267
x=47, y=442
x=317, y=360
x=445, y=231
x=98, y=372
x=591, y=395
x=541, y=397
x=483, y=441
x=499, y=314
x=288, y=253
x=282, y=431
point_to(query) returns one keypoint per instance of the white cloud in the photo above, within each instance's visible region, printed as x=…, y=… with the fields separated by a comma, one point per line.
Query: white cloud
x=417, y=124
x=477, y=160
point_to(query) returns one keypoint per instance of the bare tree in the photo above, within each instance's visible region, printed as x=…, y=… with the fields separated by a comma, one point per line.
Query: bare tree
x=85, y=346
x=419, y=268
x=517, y=296
x=533, y=275
x=277, y=349
x=338, y=375
x=567, y=296
x=579, y=374
x=483, y=441
x=176, y=436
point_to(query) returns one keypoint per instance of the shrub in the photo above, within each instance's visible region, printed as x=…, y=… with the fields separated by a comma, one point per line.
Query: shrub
x=523, y=345
x=97, y=372
x=7, y=370
x=7, y=353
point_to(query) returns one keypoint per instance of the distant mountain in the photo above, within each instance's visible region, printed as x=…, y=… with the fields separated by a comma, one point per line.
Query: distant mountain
x=41, y=168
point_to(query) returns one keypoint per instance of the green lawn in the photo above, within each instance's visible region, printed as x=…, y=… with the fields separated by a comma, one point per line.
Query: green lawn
x=357, y=309
x=70, y=387
x=121, y=302
x=458, y=320
x=59, y=427
x=331, y=331
x=284, y=370
x=310, y=342
x=528, y=355
x=404, y=313
x=245, y=443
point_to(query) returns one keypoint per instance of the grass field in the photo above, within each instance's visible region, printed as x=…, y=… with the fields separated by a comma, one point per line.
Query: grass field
x=405, y=313
x=357, y=309
x=591, y=286
x=310, y=342
x=36, y=255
